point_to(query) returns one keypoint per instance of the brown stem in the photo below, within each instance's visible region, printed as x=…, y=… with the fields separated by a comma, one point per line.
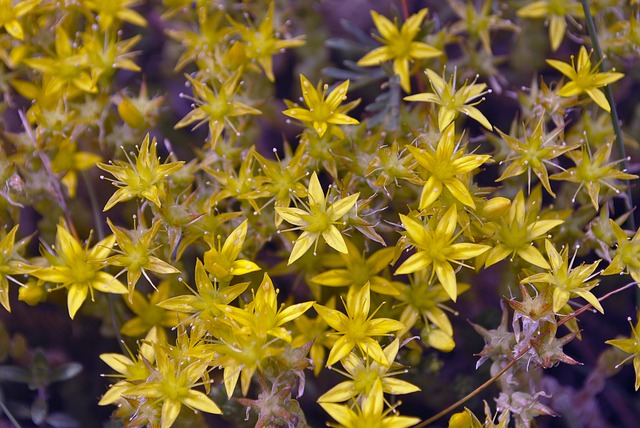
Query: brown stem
x=46, y=164
x=515, y=360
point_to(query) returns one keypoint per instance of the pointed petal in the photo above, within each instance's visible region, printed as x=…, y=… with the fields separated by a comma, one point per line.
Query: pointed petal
x=76, y=296
x=447, y=278
x=340, y=349
x=198, y=400
x=533, y=256
x=335, y=240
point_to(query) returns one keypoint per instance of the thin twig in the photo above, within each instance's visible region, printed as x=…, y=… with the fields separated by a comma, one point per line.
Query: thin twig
x=46, y=164
x=515, y=360
x=6, y=411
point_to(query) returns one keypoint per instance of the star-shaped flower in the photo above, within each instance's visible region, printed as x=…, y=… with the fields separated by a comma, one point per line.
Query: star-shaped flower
x=534, y=153
x=222, y=262
x=585, y=78
x=452, y=100
x=79, y=269
x=447, y=165
x=357, y=328
x=516, y=234
x=370, y=413
x=631, y=346
x=322, y=109
x=565, y=280
x=555, y=11
x=144, y=179
x=435, y=247
x=592, y=171
x=318, y=220
x=399, y=45
x=260, y=44
x=627, y=255
x=135, y=254
x=215, y=106
x=363, y=374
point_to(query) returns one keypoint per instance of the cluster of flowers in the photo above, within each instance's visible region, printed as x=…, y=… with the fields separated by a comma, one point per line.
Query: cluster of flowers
x=217, y=228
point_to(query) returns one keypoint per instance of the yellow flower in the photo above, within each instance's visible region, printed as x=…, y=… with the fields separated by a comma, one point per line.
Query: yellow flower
x=555, y=11
x=260, y=44
x=215, y=106
x=446, y=165
x=172, y=385
x=534, y=153
x=79, y=269
x=399, y=45
x=69, y=161
x=314, y=330
x=68, y=68
x=357, y=328
x=149, y=314
x=133, y=370
x=453, y=100
x=436, y=249
x=112, y=10
x=369, y=414
x=317, y=220
x=206, y=298
x=355, y=270
x=9, y=263
x=107, y=53
x=631, y=346
x=364, y=376
x=592, y=171
x=262, y=317
x=322, y=110
x=135, y=254
x=223, y=262
x=627, y=255
x=424, y=300
x=282, y=179
x=11, y=13
x=585, y=78
x=516, y=234
x=143, y=179
x=565, y=280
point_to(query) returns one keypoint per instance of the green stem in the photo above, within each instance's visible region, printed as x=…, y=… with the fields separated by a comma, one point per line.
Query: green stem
x=6, y=411
x=591, y=28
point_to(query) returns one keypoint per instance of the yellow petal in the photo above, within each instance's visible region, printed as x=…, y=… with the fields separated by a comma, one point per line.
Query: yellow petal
x=302, y=245
x=387, y=29
x=169, y=413
x=376, y=56
x=557, y=28
x=401, y=68
x=342, y=206
x=533, y=256
x=447, y=278
x=415, y=263
x=563, y=68
x=14, y=29
x=431, y=191
x=200, y=401
x=599, y=98
x=340, y=349
x=335, y=239
x=460, y=192
x=75, y=297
